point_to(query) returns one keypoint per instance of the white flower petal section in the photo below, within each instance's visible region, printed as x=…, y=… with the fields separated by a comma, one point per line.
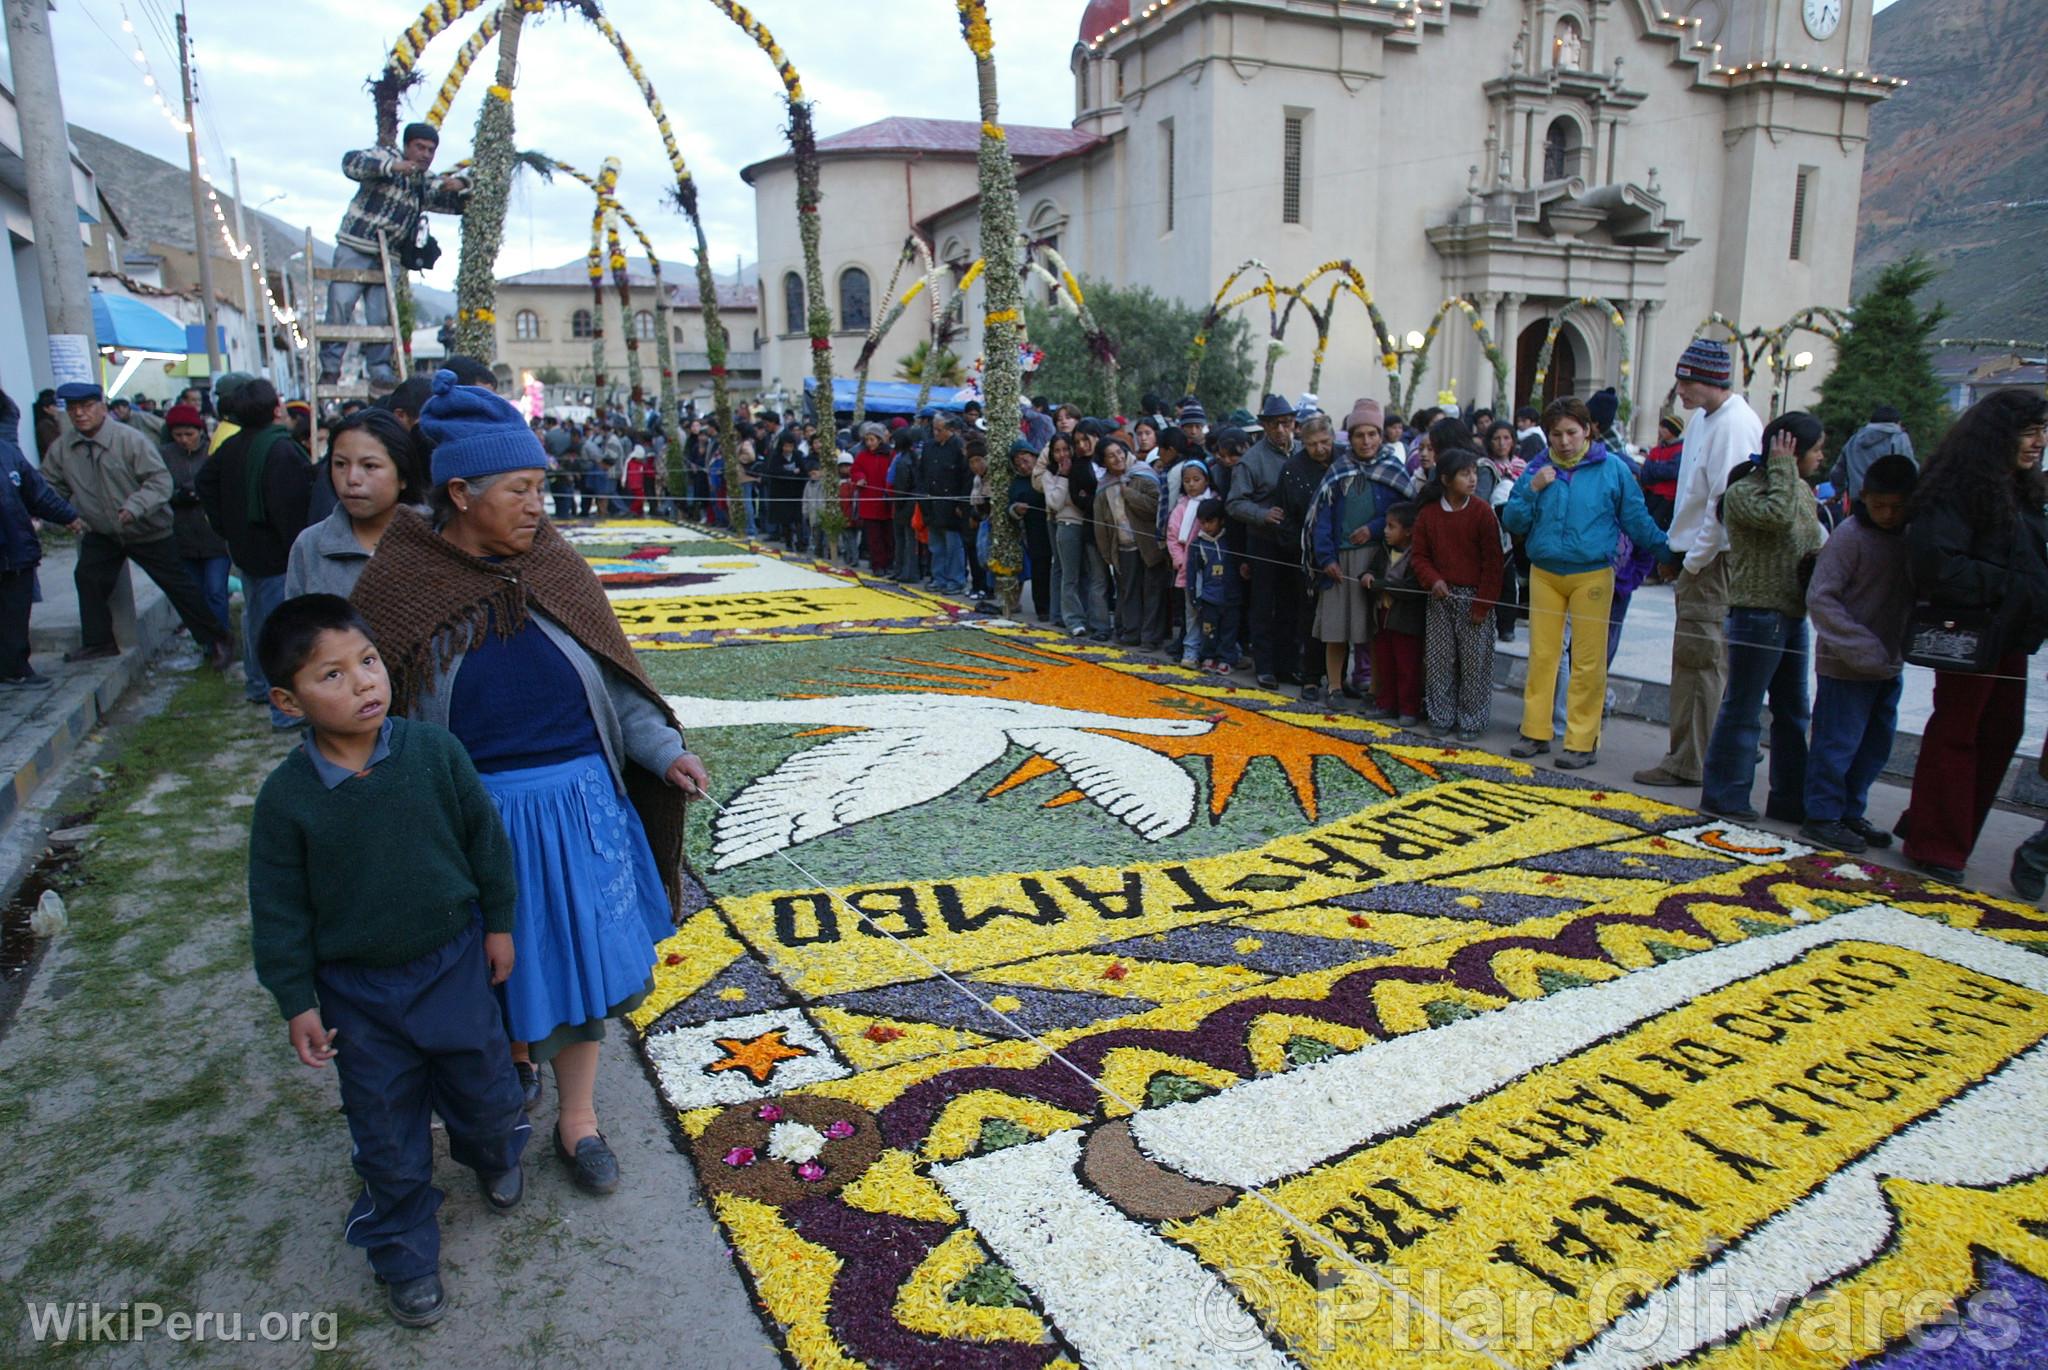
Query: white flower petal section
x=840, y=782
x=630, y=535
x=1125, y=1298
x=734, y=575
x=795, y=1142
x=1145, y=790
x=916, y=747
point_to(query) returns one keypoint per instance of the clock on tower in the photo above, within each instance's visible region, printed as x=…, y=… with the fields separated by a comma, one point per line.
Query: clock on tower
x=1822, y=16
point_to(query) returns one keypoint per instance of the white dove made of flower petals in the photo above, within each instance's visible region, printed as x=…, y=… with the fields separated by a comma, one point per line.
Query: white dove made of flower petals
x=921, y=746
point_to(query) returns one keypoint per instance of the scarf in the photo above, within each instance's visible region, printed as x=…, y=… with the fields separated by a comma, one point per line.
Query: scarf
x=1564, y=463
x=426, y=599
x=256, y=509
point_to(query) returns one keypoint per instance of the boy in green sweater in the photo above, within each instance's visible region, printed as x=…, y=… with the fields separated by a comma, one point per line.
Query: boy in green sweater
x=381, y=893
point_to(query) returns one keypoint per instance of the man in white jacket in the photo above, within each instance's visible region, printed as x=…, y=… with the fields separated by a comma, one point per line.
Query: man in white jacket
x=1724, y=433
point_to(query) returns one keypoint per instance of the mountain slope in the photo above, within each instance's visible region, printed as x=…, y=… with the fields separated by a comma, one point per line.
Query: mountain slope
x=1954, y=167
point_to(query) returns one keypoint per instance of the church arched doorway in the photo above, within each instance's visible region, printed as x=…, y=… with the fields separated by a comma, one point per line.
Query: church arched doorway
x=1567, y=360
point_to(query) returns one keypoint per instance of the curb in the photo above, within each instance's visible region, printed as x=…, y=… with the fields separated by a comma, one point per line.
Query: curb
x=1650, y=700
x=77, y=709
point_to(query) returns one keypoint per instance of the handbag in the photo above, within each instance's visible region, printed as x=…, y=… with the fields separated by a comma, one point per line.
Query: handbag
x=1945, y=639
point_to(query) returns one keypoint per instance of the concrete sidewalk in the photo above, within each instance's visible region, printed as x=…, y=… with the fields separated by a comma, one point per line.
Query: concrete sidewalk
x=1639, y=684
x=40, y=728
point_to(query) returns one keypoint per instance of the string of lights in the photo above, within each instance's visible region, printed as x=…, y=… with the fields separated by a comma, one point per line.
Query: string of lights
x=174, y=117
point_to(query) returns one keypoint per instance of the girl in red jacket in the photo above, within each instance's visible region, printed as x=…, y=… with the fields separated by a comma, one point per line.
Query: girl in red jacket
x=1457, y=560
x=874, y=503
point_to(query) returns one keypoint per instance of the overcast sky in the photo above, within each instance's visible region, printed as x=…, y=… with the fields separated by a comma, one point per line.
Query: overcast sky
x=282, y=91
x=281, y=84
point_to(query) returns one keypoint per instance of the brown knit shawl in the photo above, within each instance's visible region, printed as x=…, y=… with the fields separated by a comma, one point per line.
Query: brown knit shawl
x=426, y=599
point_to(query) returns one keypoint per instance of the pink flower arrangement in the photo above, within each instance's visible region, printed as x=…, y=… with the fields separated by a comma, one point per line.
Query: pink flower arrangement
x=739, y=1156
x=839, y=1130
x=770, y=1113
x=810, y=1171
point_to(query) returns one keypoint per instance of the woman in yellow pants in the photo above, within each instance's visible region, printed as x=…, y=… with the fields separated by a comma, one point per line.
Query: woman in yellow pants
x=1573, y=505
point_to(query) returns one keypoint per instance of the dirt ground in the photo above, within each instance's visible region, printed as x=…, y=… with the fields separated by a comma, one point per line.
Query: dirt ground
x=163, y=1146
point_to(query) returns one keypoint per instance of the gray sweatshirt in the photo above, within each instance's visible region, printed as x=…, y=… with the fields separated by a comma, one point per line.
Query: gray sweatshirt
x=1861, y=602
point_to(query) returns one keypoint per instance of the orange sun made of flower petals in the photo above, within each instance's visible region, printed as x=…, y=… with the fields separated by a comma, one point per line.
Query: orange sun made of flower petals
x=1239, y=737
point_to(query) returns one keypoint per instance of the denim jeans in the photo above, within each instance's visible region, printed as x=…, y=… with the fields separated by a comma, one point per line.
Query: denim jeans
x=1853, y=722
x=1766, y=659
x=949, y=561
x=341, y=308
x=1084, y=580
x=260, y=596
x=210, y=574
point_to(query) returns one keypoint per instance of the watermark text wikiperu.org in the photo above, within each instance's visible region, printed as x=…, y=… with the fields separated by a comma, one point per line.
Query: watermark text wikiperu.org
x=54, y=1323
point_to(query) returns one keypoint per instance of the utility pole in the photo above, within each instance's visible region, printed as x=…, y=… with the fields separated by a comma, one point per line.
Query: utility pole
x=261, y=304
x=252, y=312
x=208, y=312
x=52, y=203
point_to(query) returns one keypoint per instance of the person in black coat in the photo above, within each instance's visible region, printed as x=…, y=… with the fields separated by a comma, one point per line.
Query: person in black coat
x=256, y=491
x=24, y=497
x=1028, y=504
x=944, y=482
x=1979, y=545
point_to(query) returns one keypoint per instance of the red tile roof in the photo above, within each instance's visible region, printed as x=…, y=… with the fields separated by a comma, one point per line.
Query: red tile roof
x=954, y=137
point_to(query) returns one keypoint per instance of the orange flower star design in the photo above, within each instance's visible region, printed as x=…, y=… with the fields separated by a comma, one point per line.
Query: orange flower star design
x=758, y=1056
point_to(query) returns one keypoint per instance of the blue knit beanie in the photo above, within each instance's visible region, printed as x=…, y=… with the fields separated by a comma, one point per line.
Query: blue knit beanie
x=476, y=433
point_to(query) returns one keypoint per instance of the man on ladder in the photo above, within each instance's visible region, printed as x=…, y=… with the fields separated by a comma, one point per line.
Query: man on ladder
x=388, y=213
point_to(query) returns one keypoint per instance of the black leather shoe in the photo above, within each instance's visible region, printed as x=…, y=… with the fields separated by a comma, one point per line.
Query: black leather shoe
x=529, y=1084
x=593, y=1167
x=99, y=653
x=503, y=1191
x=1947, y=875
x=1874, y=836
x=417, y=1303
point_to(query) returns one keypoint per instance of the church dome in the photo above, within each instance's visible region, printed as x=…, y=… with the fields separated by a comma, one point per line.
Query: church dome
x=1100, y=14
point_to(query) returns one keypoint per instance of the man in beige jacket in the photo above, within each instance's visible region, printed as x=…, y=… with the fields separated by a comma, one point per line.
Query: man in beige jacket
x=121, y=488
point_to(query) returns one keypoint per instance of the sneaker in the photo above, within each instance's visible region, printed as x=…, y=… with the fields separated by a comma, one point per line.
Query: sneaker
x=1575, y=761
x=1468, y=734
x=1530, y=746
x=1834, y=836
x=1267, y=682
x=1188, y=663
x=1378, y=714
x=1657, y=776
x=28, y=681
x=1311, y=694
x=100, y=653
x=1733, y=815
x=2027, y=882
x=1872, y=835
x=1218, y=668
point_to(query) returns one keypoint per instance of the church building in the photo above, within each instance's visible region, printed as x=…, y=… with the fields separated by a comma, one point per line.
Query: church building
x=1671, y=159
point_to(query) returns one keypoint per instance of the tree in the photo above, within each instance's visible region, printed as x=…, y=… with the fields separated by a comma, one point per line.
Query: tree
x=947, y=371
x=1885, y=358
x=1151, y=336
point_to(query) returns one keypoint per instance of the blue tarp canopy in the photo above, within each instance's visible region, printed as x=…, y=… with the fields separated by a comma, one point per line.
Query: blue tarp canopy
x=884, y=397
x=133, y=326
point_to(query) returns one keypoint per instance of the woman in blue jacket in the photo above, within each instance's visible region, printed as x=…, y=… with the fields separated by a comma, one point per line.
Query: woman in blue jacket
x=24, y=497
x=1572, y=505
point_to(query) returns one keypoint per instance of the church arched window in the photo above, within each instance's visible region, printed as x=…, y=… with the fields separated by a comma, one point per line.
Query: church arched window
x=1561, y=145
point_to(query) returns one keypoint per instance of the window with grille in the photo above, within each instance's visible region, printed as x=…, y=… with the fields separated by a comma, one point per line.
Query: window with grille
x=1800, y=190
x=1290, y=170
x=580, y=325
x=854, y=311
x=526, y=325
x=793, y=311
x=643, y=326
x=1166, y=152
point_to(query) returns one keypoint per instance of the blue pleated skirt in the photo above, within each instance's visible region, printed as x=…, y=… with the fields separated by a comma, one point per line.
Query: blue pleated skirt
x=591, y=905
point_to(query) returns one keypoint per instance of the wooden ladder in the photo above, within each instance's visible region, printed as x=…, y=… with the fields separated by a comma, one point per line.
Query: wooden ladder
x=319, y=330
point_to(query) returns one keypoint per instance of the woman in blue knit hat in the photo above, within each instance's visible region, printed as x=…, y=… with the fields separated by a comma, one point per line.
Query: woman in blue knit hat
x=492, y=626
